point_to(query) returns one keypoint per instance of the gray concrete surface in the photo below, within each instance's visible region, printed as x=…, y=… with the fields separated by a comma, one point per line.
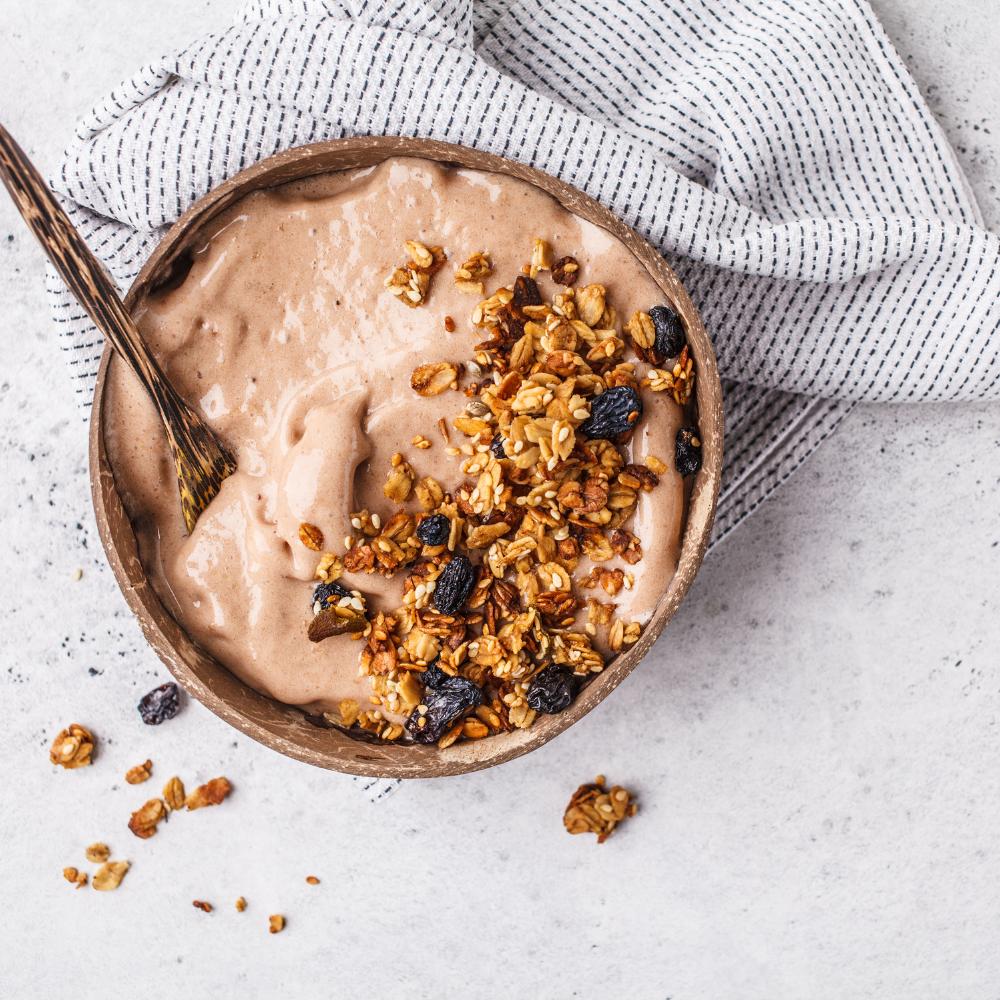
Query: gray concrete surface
x=814, y=741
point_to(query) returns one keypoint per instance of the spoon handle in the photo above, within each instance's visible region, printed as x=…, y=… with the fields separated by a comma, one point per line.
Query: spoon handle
x=72, y=258
x=200, y=459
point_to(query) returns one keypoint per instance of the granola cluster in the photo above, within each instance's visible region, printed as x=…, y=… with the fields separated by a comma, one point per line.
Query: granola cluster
x=489, y=561
x=595, y=809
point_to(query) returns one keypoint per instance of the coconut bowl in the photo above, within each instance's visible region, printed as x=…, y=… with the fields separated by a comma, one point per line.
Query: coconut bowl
x=285, y=728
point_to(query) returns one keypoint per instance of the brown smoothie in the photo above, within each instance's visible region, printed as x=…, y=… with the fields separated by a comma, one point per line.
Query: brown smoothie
x=285, y=338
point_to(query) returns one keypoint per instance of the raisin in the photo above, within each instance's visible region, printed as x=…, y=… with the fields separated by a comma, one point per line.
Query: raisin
x=446, y=699
x=327, y=590
x=669, y=332
x=526, y=293
x=160, y=704
x=687, y=454
x=434, y=530
x=551, y=691
x=612, y=413
x=496, y=446
x=454, y=585
x=563, y=275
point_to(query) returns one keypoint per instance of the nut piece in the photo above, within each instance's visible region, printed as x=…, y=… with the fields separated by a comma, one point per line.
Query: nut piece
x=594, y=810
x=199, y=905
x=108, y=876
x=144, y=820
x=71, y=748
x=312, y=880
x=330, y=567
x=311, y=537
x=241, y=904
x=277, y=922
x=138, y=774
x=209, y=794
x=72, y=875
x=173, y=793
x=98, y=853
x=432, y=379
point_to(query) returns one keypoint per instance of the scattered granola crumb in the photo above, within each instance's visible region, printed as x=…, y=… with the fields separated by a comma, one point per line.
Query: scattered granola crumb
x=241, y=904
x=72, y=875
x=78, y=574
x=204, y=907
x=277, y=922
x=449, y=324
x=98, y=853
x=144, y=820
x=592, y=809
x=420, y=442
x=138, y=774
x=312, y=880
x=209, y=794
x=173, y=793
x=109, y=876
x=72, y=747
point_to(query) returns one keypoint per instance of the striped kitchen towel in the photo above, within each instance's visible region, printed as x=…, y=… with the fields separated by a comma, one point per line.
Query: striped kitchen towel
x=776, y=151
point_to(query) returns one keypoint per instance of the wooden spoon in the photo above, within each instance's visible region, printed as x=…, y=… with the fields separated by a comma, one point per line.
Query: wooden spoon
x=200, y=459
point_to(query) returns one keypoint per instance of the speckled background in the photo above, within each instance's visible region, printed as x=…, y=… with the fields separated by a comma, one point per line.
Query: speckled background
x=813, y=741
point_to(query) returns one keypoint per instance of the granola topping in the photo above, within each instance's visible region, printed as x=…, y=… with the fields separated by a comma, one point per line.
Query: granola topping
x=545, y=482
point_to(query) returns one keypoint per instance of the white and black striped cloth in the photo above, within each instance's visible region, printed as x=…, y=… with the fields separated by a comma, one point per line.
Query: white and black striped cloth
x=776, y=151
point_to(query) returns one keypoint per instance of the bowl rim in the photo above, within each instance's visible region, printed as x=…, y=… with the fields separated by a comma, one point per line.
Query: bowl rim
x=285, y=728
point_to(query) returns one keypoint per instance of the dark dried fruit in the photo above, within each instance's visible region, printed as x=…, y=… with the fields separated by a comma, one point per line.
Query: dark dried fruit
x=687, y=454
x=551, y=691
x=160, y=704
x=323, y=593
x=565, y=271
x=446, y=699
x=336, y=621
x=612, y=413
x=526, y=293
x=496, y=446
x=434, y=530
x=454, y=585
x=669, y=332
